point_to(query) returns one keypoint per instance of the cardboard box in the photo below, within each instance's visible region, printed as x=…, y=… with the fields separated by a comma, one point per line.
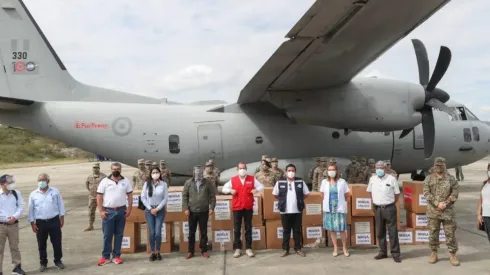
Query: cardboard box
x=274, y=232
x=339, y=239
x=184, y=238
x=258, y=218
x=167, y=240
x=405, y=236
x=271, y=212
x=349, y=209
x=223, y=240
x=362, y=231
x=417, y=221
x=362, y=205
x=422, y=236
x=398, y=213
x=258, y=238
x=131, y=238
x=137, y=215
x=312, y=234
x=312, y=214
x=223, y=214
x=413, y=197
x=174, y=211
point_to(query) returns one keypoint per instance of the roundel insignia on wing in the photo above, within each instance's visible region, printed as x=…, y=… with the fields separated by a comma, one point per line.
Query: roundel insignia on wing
x=122, y=126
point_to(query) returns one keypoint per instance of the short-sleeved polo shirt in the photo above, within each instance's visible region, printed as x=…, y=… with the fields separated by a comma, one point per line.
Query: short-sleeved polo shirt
x=114, y=194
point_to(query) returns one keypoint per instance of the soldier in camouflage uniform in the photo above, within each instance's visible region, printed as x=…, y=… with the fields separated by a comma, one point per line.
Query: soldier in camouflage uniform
x=389, y=170
x=265, y=175
x=352, y=170
x=261, y=163
x=275, y=168
x=312, y=170
x=140, y=176
x=216, y=170
x=210, y=174
x=370, y=170
x=166, y=173
x=91, y=184
x=318, y=174
x=148, y=165
x=441, y=193
x=362, y=173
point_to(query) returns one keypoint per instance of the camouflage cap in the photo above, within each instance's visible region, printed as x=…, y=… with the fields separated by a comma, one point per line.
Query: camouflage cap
x=274, y=160
x=96, y=165
x=154, y=163
x=332, y=161
x=353, y=158
x=323, y=159
x=148, y=162
x=388, y=162
x=141, y=161
x=363, y=159
x=317, y=159
x=371, y=161
x=264, y=157
x=209, y=163
x=440, y=161
x=162, y=161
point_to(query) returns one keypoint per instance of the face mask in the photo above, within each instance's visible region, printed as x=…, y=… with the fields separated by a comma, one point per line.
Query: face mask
x=11, y=186
x=380, y=172
x=155, y=176
x=332, y=173
x=116, y=173
x=42, y=184
x=242, y=172
x=291, y=174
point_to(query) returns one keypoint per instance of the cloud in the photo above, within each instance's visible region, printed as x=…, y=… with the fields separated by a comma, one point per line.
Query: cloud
x=191, y=50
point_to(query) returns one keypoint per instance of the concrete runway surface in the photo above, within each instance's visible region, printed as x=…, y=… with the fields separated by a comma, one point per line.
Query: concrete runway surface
x=82, y=250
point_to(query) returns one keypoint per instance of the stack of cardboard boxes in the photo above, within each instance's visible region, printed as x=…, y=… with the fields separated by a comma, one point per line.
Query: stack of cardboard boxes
x=361, y=217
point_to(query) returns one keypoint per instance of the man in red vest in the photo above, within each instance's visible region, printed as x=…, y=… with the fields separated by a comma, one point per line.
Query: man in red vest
x=242, y=187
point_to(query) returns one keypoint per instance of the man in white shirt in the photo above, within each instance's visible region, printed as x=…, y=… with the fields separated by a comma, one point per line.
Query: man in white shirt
x=384, y=191
x=111, y=201
x=291, y=193
x=242, y=187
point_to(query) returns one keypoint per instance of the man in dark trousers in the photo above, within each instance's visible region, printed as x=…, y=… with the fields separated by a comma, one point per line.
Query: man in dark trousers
x=242, y=187
x=291, y=193
x=384, y=191
x=198, y=202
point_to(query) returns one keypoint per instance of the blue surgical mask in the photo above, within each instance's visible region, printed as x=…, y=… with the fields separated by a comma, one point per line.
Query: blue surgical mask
x=43, y=184
x=380, y=172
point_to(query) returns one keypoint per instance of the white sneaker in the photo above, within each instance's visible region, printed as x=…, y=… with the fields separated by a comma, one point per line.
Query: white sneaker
x=237, y=253
x=250, y=253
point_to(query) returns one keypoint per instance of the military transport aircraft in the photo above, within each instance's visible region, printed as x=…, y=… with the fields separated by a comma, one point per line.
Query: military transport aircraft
x=301, y=104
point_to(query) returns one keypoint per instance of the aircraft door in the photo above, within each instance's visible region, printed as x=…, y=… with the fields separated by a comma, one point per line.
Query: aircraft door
x=210, y=143
x=4, y=84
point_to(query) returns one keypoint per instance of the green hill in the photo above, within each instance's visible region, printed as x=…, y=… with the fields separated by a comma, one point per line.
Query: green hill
x=18, y=145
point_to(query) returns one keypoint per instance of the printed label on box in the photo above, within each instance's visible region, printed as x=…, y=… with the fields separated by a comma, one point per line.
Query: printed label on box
x=276, y=208
x=314, y=232
x=174, y=203
x=136, y=200
x=407, y=194
x=422, y=200
x=421, y=220
x=222, y=211
x=363, y=238
x=164, y=233
x=363, y=227
x=442, y=236
x=363, y=203
x=313, y=209
x=126, y=242
x=222, y=236
x=422, y=236
x=405, y=237
x=280, y=232
x=185, y=228
x=256, y=206
x=255, y=234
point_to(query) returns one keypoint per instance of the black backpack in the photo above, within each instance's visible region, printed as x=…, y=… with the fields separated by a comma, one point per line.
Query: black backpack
x=15, y=195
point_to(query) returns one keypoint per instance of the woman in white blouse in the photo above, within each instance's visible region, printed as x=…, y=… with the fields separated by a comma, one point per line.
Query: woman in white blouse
x=154, y=196
x=334, y=192
x=484, y=204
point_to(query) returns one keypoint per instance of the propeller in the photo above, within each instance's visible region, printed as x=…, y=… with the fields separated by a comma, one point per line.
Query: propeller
x=434, y=97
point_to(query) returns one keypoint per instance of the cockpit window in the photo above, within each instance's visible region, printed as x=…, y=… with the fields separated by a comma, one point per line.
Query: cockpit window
x=466, y=114
x=470, y=115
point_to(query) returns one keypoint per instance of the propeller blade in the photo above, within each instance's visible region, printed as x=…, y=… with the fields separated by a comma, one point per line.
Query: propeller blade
x=405, y=133
x=435, y=103
x=443, y=62
x=429, y=131
x=422, y=61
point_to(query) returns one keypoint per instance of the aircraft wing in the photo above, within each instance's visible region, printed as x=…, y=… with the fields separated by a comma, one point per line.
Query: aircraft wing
x=334, y=41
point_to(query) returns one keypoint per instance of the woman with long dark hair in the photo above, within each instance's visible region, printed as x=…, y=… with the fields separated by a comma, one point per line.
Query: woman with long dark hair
x=154, y=196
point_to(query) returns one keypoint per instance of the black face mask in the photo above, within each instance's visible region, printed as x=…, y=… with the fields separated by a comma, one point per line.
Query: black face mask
x=116, y=173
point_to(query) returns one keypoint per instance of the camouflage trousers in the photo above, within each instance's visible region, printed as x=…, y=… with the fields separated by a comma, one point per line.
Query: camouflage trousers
x=92, y=206
x=449, y=227
x=314, y=187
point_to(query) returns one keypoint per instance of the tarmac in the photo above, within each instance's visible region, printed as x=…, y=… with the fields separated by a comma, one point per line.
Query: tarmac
x=82, y=250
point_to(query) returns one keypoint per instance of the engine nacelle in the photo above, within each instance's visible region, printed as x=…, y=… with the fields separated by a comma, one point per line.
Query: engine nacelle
x=369, y=105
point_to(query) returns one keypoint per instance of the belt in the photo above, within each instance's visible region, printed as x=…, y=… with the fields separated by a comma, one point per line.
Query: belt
x=385, y=206
x=6, y=223
x=57, y=217
x=115, y=208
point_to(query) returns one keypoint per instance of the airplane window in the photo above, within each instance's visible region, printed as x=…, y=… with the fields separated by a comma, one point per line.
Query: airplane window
x=455, y=116
x=174, y=144
x=467, y=134
x=470, y=115
x=462, y=113
x=476, y=133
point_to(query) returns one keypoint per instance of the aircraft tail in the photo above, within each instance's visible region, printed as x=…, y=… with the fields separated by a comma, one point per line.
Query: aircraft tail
x=32, y=71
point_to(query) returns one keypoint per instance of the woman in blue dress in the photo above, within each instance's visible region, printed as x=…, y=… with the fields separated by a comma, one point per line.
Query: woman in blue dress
x=335, y=191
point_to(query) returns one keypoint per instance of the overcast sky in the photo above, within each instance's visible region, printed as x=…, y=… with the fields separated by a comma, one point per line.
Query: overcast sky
x=189, y=50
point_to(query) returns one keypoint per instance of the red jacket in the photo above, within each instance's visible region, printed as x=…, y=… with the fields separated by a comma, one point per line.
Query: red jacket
x=243, y=199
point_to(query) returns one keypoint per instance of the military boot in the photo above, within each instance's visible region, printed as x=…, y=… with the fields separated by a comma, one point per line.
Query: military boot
x=433, y=257
x=453, y=260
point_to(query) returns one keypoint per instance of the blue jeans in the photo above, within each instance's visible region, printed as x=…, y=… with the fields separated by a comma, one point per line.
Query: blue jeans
x=113, y=227
x=154, y=224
